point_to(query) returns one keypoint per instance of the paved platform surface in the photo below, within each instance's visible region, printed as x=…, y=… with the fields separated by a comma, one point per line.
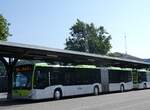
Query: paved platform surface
x=133, y=100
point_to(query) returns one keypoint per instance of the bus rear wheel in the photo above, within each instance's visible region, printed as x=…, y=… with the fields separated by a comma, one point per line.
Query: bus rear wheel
x=96, y=90
x=144, y=86
x=57, y=94
x=122, y=88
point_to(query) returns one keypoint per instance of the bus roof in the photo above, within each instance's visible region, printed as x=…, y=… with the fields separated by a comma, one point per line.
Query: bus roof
x=142, y=70
x=118, y=68
x=78, y=66
x=85, y=66
x=82, y=66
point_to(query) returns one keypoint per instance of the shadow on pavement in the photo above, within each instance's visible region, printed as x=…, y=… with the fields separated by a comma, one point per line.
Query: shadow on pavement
x=5, y=102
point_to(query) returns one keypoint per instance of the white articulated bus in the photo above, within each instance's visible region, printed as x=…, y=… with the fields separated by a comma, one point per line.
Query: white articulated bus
x=41, y=81
x=141, y=79
x=116, y=79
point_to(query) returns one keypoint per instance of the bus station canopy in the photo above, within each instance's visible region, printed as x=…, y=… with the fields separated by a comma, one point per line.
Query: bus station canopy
x=33, y=52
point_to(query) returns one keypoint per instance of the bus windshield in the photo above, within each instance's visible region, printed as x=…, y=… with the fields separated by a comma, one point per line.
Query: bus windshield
x=22, y=79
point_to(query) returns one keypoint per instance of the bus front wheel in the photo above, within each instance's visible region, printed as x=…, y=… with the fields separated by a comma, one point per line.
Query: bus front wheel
x=144, y=86
x=122, y=88
x=96, y=90
x=57, y=94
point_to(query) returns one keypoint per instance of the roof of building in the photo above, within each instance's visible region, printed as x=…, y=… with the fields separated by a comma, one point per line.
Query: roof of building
x=24, y=51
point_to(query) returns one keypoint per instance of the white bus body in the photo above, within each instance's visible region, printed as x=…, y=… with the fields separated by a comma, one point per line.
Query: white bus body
x=116, y=79
x=42, y=81
x=143, y=79
x=57, y=81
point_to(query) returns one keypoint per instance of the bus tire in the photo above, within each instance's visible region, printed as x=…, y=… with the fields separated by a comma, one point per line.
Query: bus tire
x=96, y=90
x=122, y=88
x=57, y=94
x=144, y=86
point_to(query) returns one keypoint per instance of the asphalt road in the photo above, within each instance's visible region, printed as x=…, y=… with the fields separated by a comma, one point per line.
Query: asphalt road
x=133, y=100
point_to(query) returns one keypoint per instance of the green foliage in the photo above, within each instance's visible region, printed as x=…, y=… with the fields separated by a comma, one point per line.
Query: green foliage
x=87, y=38
x=4, y=28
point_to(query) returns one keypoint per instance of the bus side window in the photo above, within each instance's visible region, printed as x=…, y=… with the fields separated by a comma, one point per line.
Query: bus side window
x=139, y=78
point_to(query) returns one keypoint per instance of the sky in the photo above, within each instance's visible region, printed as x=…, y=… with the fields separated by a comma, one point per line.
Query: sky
x=47, y=22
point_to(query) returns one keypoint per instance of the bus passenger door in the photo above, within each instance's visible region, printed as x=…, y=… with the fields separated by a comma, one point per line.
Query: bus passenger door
x=41, y=83
x=104, y=80
x=135, y=79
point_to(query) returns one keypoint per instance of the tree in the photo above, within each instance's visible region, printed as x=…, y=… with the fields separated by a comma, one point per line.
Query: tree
x=4, y=28
x=87, y=38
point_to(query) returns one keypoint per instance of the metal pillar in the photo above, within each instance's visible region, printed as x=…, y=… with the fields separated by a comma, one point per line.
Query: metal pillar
x=11, y=64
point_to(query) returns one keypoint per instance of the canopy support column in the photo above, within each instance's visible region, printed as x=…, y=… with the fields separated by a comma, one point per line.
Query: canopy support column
x=9, y=65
